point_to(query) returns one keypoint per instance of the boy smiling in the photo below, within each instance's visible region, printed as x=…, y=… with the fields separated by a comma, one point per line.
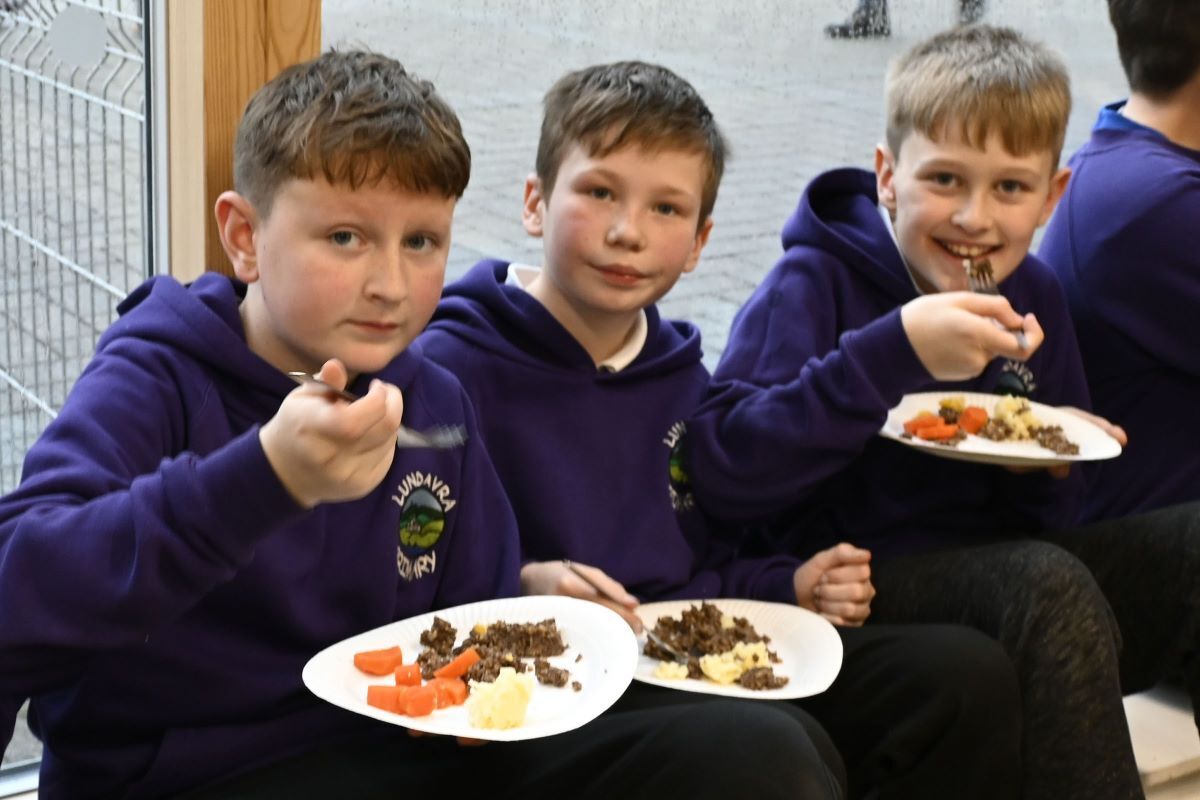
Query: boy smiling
x=866, y=305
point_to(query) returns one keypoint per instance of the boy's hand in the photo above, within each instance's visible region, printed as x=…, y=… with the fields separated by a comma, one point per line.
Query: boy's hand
x=955, y=333
x=325, y=449
x=836, y=583
x=553, y=577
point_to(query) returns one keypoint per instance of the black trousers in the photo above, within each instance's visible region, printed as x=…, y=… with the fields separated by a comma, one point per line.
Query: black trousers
x=683, y=745
x=924, y=712
x=1085, y=615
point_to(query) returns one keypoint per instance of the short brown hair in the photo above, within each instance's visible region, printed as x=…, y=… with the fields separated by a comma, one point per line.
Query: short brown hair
x=984, y=79
x=604, y=107
x=1159, y=43
x=354, y=118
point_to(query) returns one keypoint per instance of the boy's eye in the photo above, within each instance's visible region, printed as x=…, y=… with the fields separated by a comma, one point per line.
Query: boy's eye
x=1011, y=187
x=600, y=193
x=343, y=238
x=419, y=241
x=943, y=178
x=666, y=209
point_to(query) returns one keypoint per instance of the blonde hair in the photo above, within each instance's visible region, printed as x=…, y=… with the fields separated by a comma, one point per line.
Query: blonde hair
x=984, y=79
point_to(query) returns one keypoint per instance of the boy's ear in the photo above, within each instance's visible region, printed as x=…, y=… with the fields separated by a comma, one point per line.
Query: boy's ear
x=698, y=246
x=885, y=174
x=1058, y=185
x=237, y=222
x=534, y=206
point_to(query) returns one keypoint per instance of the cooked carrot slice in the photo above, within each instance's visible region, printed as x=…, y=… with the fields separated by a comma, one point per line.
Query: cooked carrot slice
x=972, y=419
x=937, y=432
x=459, y=666
x=450, y=691
x=379, y=662
x=389, y=698
x=408, y=675
x=419, y=701
x=924, y=419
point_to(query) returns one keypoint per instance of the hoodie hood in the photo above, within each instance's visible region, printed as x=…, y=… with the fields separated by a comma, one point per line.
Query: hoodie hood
x=507, y=321
x=839, y=214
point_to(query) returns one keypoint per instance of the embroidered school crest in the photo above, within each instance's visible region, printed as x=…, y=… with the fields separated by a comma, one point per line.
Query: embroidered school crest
x=1016, y=378
x=678, y=484
x=424, y=501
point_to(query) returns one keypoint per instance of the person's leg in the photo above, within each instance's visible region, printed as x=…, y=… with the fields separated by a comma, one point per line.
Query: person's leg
x=718, y=750
x=1146, y=565
x=641, y=696
x=970, y=11
x=924, y=711
x=1043, y=605
x=868, y=19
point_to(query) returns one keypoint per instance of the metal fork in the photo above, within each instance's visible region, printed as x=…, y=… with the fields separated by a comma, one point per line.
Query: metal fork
x=441, y=437
x=651, y=635
x=982, y=281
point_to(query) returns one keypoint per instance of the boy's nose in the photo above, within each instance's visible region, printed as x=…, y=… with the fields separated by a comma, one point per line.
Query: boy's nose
x=625, y=231
x=974, y=214
x=388, y=279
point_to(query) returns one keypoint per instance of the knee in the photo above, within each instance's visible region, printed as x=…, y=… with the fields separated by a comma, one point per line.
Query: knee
x=1056, y=591
x=754, y=749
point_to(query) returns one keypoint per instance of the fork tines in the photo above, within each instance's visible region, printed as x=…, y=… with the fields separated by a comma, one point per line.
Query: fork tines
x=982, y=281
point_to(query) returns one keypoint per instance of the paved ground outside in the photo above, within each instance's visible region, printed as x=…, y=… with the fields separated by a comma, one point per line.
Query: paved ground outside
x=791, y=102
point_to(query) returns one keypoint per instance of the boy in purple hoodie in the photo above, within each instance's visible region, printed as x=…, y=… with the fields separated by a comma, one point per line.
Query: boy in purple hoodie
x=1123, y=244
x=193, y=527
x=584, y=389
x=867, y=304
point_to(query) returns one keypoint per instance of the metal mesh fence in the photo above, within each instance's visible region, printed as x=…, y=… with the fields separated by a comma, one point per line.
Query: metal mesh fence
x=72, y=200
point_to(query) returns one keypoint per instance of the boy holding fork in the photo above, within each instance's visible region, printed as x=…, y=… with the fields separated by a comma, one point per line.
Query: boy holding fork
x=868, y=304
x=584, y=391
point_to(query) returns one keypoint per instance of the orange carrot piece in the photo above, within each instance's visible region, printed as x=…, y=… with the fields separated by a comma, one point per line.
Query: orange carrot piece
x=450, y=691
x=408, y=675
x=924, y=419
x=388, y=698
x=419, y=701
x=379, y=662
x=972, y=419
x=459, y=666
x=937, y=432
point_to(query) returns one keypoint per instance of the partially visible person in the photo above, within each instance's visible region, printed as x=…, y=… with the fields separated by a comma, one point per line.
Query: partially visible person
x=1123, y=243
x=868, y=304
x=870, y=19
x=193, y=527
x=583, y=391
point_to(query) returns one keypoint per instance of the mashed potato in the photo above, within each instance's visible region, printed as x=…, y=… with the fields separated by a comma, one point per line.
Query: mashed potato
x=1017, y=415
x=671, y=671
x=725, y=668
x=502, y=703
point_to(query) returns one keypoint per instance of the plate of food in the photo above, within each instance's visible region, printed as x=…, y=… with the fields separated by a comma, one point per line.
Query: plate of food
x=739, y=648
x=503, y=670
x=996, y=429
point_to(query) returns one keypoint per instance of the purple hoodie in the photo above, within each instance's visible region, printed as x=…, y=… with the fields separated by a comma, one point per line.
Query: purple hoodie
x=590, y=459
x=816, y=358
x=1123, y=242
x=161, y=591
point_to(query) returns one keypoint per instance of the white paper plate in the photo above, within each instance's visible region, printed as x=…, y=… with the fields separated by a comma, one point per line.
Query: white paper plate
x=1094, y=443
x=605, y=641
x=809, y=648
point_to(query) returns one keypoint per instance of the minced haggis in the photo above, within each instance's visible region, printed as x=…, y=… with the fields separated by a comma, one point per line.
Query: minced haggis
x=499, y=644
